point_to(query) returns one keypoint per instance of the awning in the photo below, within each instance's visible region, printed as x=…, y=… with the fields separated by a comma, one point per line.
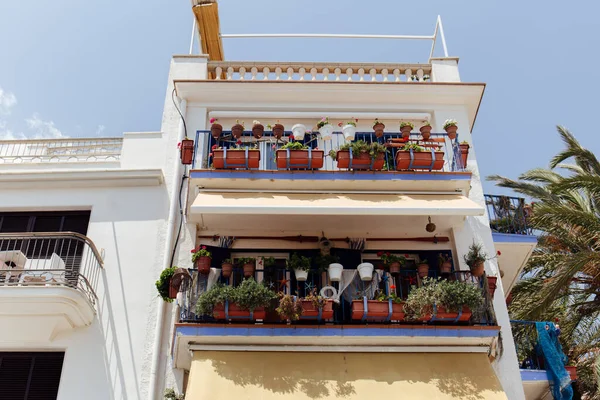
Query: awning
x=333, y=204
x=348, y=376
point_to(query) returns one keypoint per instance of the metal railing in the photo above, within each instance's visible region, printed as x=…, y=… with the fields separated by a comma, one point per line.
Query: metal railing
x=509, y=214
x=50, y=259
x=281, y=280
x=60, y=150
x=268, y=145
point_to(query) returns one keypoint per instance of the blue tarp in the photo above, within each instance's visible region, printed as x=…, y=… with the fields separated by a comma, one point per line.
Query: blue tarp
x=555, y=360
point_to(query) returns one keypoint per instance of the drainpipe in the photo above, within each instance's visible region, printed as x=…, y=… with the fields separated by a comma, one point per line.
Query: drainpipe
x=171, y=225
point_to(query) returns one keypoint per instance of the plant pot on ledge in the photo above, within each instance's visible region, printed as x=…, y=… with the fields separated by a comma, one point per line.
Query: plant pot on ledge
x=346, y=160
x=236, y=158
x=309, y=311
x=278, y=131
x=440, y=314
x=464, y=154
x=411, y=160
x=229, y=311
x=425, y=132
x=375, y=310
x=378, y=128
x=299, y=159
x=203, y=265
x=237, y=130
x=477, y=269
x=216, y=130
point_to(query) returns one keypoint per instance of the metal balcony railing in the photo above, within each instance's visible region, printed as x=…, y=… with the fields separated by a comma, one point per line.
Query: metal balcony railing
x=268, y=145
x=60, y=150
x=50, y=259
x=509, y=214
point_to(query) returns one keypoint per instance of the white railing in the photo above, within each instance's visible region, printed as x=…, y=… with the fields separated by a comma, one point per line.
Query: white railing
x=318, y=71
x=60, y=150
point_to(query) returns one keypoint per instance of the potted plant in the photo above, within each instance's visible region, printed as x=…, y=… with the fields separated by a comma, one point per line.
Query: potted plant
x=443, y=300
x=163, y=285
x=492, y=285
x=365, y=270
x=405, y=128
x=325, y=128
x=277, y=129
x=237, y=130
x=316, y=307
x=295, y=155
x=298, y=131
x=423, y=268
x=289, y=309
x=201, y=258
x=300, y=265
x=215, y=129
x=445, y=263
x=238, y=157
x=257, y=129
x=186, y=151
x=451, y=126
x=383, y=308
x=360, y=155
x=349, y=129
x=412, y=156
x=330, y=263
x=378, y=128
x=226, y=268
x=475, y=259
x=464, y=153
x=248, y=266
x=425, y=130
x=392, y=261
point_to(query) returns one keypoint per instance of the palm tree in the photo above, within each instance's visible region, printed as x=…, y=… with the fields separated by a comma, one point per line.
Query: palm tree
x=562, y=277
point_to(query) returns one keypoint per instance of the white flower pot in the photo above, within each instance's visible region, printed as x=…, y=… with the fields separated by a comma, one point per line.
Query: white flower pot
x=349, y=132
x=335, y=272
x=299, y=131
x=301, y=275
x=365, y=270
x=326, y=131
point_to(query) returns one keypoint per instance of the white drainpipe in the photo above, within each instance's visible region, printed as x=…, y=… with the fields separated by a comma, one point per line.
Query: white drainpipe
x=171, y=232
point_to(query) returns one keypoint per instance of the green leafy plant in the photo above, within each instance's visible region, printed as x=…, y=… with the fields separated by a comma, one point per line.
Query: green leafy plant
x=324, y=121
x=413, y=147
x=289, y=309
x=376, y=122
x=227, y=261
x=294, y=146
x=352, y=122
x=442, y=258
x=245, y=260
x=269, y=262
x=406, y=123
x=198, y=252
x=171, y=395
x=318, y=302
x=296, y=261
x=218, y=294
x=360, y=147
x=323, y=261
x=452, y=295
x=250, y=295
x=389, y=258
x=426, y=123
x=385, y=297
x=450, y=122
x=162, y=284
x=475, y=255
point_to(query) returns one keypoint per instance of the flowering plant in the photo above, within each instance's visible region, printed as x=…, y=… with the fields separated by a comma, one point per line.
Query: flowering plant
x=324, y=121
x=443, y=258
x=450, y=122
x=389, y=258
x=213, y=120
x=256, y=122
x=271, y=126
x=237, y=121
x=198, y=252
x=352, y=122
x=377, y=122
x=392, y=296
x=426, y=123
x=406, y=123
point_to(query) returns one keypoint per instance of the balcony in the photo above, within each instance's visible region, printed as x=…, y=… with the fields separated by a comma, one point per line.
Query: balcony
x=47, y=284
x=537, y=373
x=513, y=236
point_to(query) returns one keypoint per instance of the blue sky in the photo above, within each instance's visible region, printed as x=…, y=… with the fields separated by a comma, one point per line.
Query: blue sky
x=78, y=68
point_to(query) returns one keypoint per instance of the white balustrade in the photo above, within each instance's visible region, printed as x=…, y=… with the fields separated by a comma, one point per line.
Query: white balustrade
x=60, y=150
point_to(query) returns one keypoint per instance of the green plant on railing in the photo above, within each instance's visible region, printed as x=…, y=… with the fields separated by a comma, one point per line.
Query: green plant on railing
x=289, y=309
x=389, y=258
x=476, y=255
x=163, y=283
x=198, y=252
x=318, y=302
x=352, y=122
x=359, y=147
x=324, y=121
x=296, y=261
x=323, y=261
x=413, y=147
x=407, y=123
x=382, y=296
x=426, y=123
x=171, y=395
x=294, y=146
x=245, y=260
x=250, y=295
x=450, y=122
x=444, y=258
x=269, y=262
x=218, y=294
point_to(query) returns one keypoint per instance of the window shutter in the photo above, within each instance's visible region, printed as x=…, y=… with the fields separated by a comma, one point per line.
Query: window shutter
x=30, y=376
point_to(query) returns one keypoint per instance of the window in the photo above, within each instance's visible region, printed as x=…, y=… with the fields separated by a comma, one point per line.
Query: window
x=30, y=376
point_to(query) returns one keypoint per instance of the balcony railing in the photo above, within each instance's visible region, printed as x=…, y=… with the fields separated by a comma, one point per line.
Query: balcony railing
x=318, y=72
x=509, y=214
x=50, y=259
x=268, y=145
x=281, y=280
x=60, y=150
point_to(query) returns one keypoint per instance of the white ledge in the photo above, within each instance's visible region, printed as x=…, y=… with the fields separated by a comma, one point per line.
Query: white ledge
x=81, y=178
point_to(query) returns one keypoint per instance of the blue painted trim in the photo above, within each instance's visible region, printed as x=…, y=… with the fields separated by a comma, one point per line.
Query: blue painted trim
x=535, y=375
x=299, y=331
x=323, y=176
x=513, y=238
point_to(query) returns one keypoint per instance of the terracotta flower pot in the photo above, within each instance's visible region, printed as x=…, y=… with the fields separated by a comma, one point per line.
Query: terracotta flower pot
x=299, y=159
x=310, y=312
x=425, y=132
x=249, y=270
x=478, y=269
x=216, y=130
x=423, y=270
x=203, y=265
x=443, y=314
x=451, y=131
x=446, y=267
x=258, y=130
x=378, y=129
x=492, y=284
x=363, y=161
x=226, y=269
x=405, y=131
x=186, y=151
x=235, y=312
x=572, y=370
x=237, y=130
x=377, y=310
x=236, y=159
x=278, y=131
x=395, y=268
x=464, y=154
x=421, y=160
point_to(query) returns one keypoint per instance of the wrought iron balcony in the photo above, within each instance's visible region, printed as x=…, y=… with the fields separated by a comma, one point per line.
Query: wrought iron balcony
x=60, y=150
x=509, y=215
